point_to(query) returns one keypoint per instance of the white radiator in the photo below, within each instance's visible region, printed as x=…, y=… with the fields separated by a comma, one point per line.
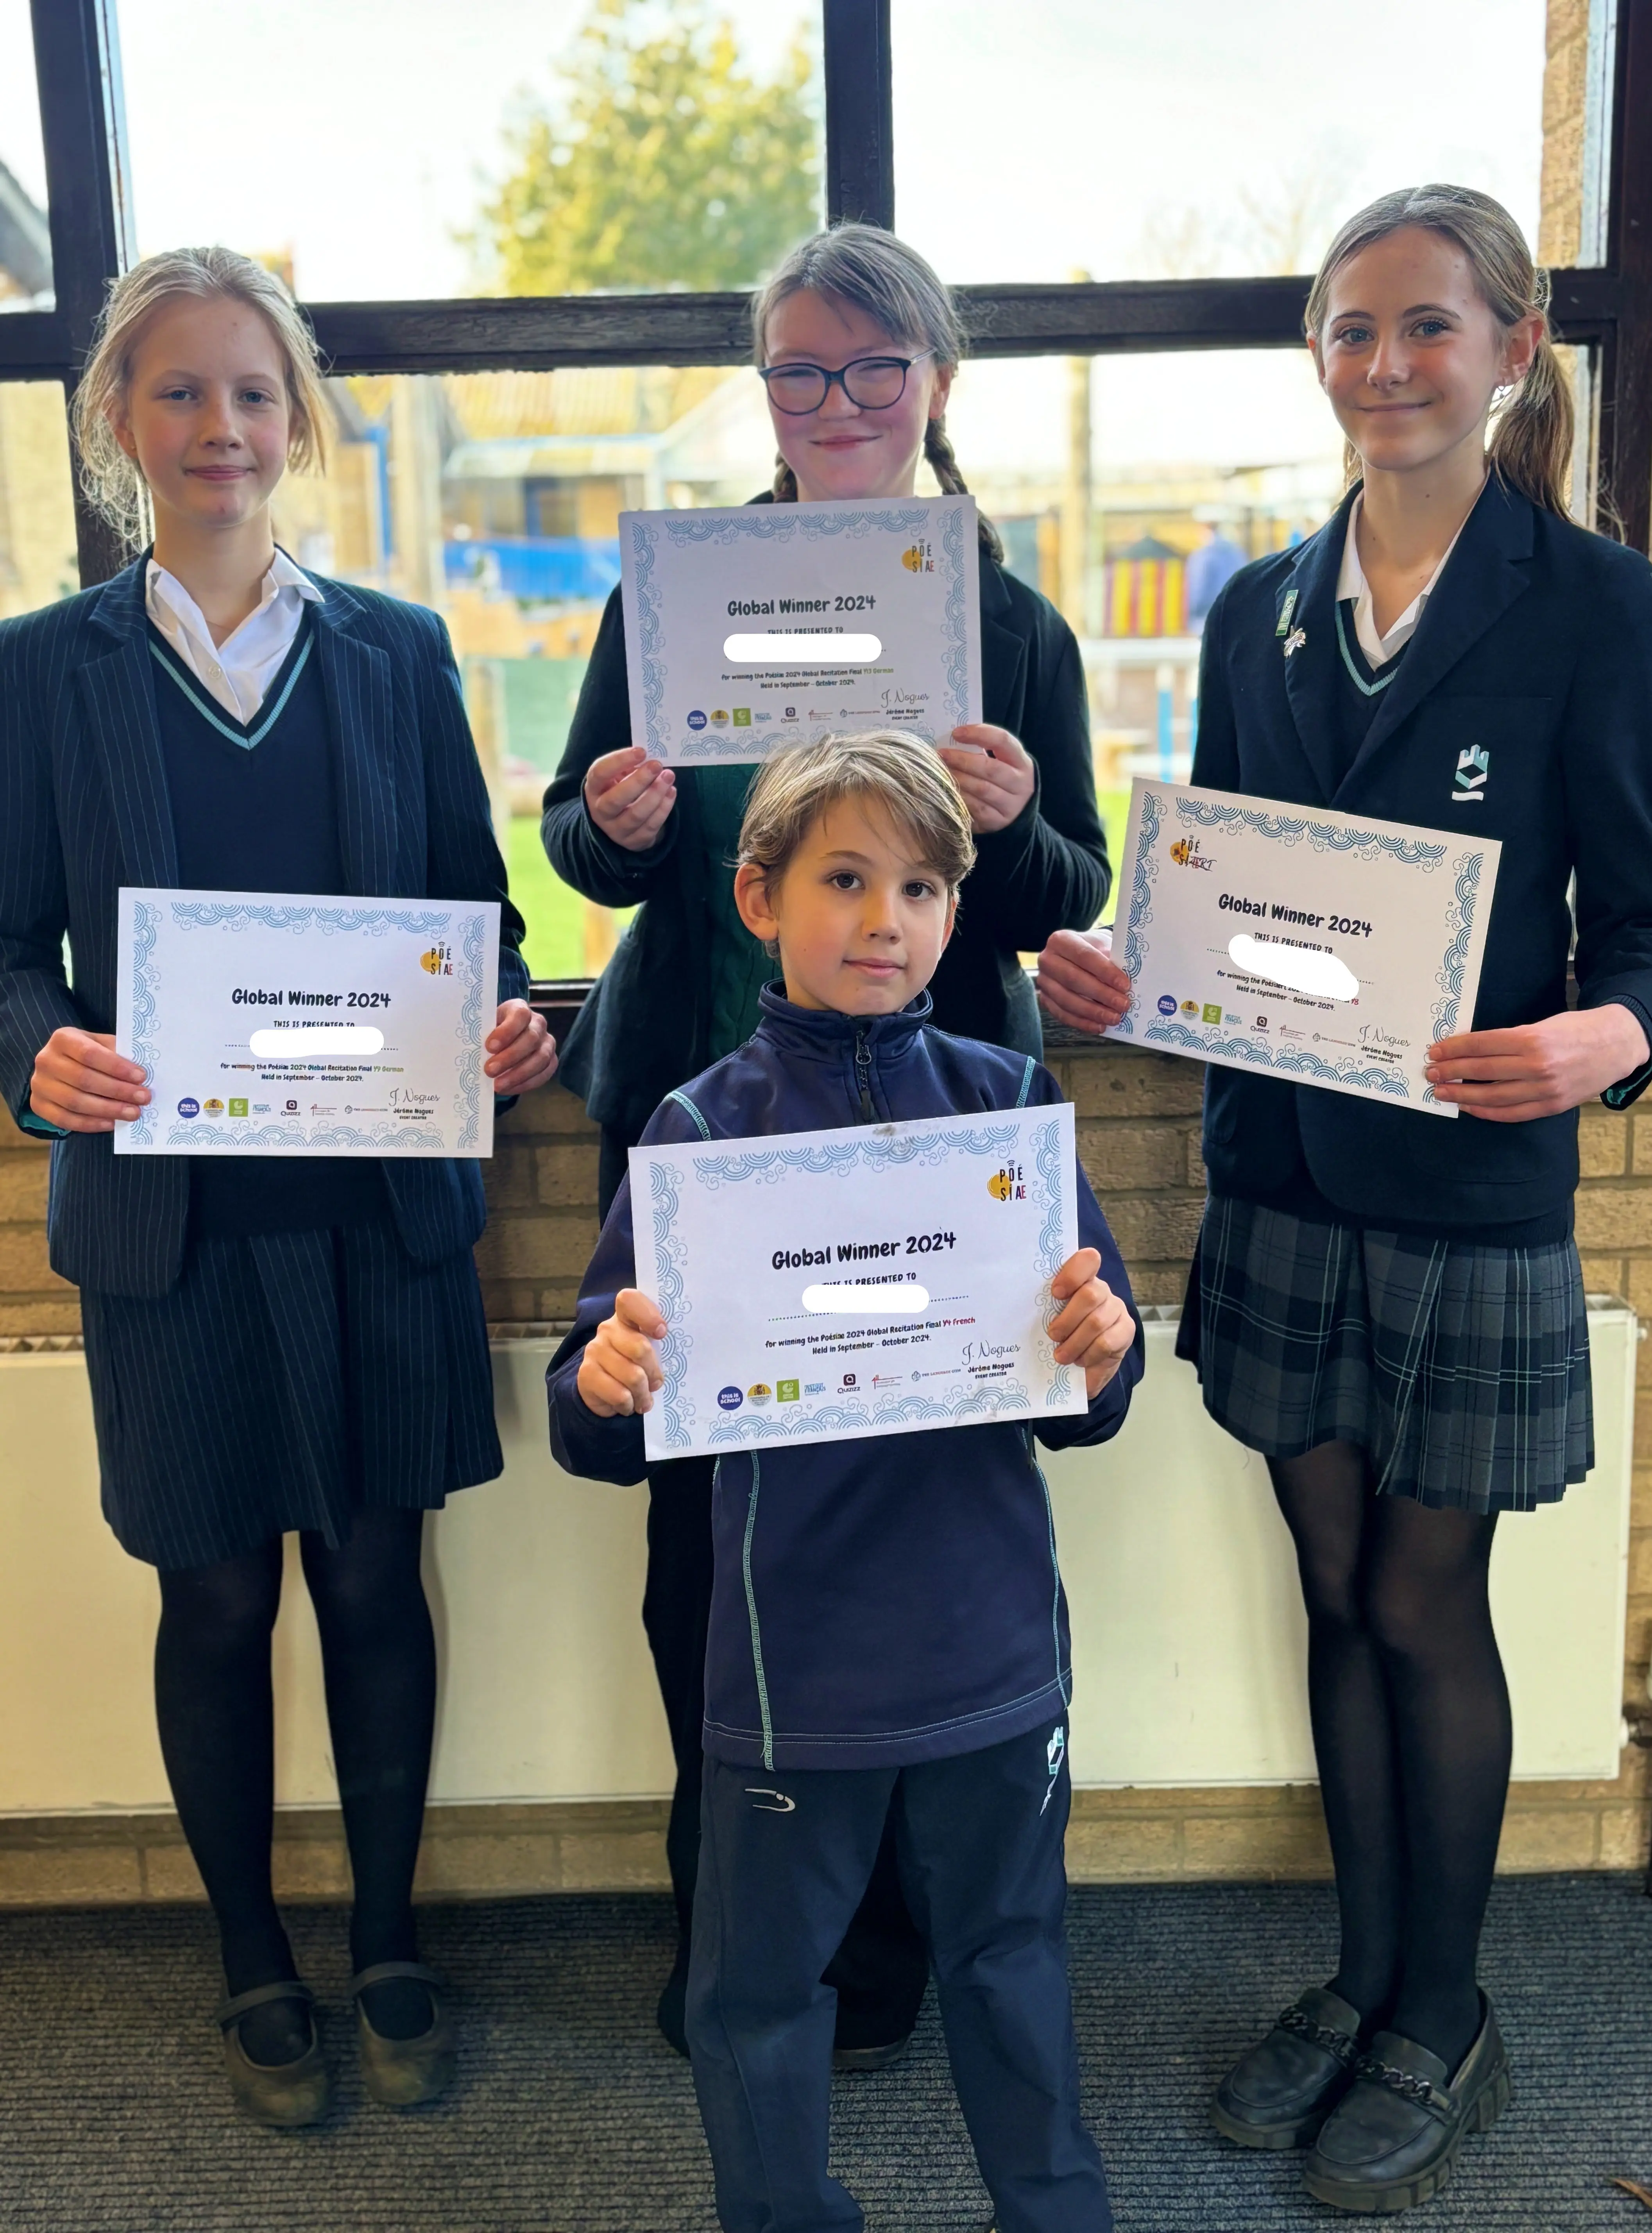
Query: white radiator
x=1188, y=1627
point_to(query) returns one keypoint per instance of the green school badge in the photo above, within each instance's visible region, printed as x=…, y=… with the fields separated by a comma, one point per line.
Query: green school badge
x=1286, y=611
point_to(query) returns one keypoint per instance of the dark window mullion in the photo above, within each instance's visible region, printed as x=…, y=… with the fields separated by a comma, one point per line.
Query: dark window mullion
x=860, y=144
x=1626, y=381
x=541, y=332
x=34, y=345
x=78, y=66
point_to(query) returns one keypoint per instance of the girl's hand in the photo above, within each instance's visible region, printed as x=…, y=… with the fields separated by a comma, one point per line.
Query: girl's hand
x=1538, y=1069
x=997, y=779
x=520, y=1052
x=628, y=796
x=619, y=1371
x=1093, y=1328
x=82, y=1085
x=1080, y=984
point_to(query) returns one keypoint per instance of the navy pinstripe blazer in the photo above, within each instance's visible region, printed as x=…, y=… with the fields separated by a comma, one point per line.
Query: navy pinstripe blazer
x=84, y=810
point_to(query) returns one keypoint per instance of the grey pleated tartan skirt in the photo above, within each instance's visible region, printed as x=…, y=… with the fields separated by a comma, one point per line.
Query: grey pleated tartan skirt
x=1462, y=1369
x=286, y=1381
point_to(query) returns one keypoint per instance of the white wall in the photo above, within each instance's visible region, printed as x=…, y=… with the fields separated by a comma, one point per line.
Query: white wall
x=1188, y=1628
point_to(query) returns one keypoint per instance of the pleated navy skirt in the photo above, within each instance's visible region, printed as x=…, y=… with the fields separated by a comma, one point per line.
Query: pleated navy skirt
x=288, y=1380
x=1462, y=1369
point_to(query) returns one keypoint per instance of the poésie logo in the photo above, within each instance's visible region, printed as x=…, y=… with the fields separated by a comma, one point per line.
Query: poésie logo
x=188, y=1108
x=697, y=719
x=730, y=1399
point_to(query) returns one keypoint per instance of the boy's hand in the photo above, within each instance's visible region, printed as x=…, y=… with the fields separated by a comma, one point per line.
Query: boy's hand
x=1092, y=1328
x=619, y=1371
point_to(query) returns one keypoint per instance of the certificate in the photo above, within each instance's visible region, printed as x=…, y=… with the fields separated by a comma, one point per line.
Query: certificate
x=753, y=629
x=1322, y=947
x=277, y=1024
x=883, y=1280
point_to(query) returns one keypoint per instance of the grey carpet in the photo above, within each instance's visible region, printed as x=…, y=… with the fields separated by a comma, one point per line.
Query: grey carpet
x=573, y=2117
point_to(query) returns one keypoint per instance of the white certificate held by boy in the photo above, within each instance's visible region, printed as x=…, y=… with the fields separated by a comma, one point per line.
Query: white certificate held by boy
x=288, y=1023
x=884, y=1278
x=1330, y=949
x=761, y=625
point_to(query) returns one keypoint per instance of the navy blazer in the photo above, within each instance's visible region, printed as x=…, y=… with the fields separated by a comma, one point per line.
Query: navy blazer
x=1535, y=645
x=83, y=810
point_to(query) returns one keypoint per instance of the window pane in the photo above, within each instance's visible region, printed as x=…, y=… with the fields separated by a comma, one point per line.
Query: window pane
x=25, y=246
x=1192, y=464
x=523, y=147
x=1201, y=138
x=37, y=562
x=495, y=497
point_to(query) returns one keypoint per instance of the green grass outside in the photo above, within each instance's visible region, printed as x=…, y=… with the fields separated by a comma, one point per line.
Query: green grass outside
x=555, y=946
x=555, y=916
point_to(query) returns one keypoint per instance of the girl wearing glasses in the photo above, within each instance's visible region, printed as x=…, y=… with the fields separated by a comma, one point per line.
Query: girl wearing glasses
x=857, y=341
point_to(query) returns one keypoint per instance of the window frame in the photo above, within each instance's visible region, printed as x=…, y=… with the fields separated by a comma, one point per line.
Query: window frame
x=1608, y=307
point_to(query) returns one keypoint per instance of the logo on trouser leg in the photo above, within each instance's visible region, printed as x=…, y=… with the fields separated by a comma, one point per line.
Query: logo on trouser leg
x=1055, y=1753
x=778, y=1801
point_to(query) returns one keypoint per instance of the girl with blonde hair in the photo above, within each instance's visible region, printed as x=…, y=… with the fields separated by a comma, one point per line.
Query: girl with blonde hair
x=271, y=1346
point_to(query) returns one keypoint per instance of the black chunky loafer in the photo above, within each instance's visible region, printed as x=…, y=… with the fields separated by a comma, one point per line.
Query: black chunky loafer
x=1280, y=2091
x=1392, y=2140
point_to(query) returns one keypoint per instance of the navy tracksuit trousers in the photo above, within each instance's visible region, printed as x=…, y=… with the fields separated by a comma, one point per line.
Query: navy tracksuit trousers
x=784, y=1860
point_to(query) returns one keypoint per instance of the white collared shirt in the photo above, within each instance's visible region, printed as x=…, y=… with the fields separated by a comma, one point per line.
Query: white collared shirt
x=1351, y=582
x=239, y=670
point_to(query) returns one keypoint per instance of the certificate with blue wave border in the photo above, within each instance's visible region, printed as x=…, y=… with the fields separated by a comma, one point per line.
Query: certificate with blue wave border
x=950, y=522
x=471, y=929
x=1042, y=1138
x=1159, y=810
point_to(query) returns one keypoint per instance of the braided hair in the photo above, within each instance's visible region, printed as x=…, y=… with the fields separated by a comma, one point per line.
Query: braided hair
x=890, y=284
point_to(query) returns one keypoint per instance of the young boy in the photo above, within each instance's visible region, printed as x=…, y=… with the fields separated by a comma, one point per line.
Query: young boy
x=888, y=1635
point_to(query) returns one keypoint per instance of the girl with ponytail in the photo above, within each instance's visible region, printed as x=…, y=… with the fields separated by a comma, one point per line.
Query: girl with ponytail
x=857, y=343
x=1390, y=1309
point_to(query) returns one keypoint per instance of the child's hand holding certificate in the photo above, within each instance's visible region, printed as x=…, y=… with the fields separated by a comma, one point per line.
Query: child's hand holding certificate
x=877, y=1279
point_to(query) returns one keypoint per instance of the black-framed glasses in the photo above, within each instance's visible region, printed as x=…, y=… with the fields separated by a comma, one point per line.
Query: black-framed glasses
x=871, y=383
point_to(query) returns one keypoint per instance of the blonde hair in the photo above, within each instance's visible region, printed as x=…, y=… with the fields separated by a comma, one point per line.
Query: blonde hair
x=898, y=772
x=1532, y=430
x=113, y=483
x=905, y=297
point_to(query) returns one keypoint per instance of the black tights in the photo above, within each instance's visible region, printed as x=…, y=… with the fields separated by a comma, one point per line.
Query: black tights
x=214, y=1705
x=1412, y=1732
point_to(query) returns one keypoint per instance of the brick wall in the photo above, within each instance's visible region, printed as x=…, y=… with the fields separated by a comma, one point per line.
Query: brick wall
x=1564, y=95
x=1138, y=1137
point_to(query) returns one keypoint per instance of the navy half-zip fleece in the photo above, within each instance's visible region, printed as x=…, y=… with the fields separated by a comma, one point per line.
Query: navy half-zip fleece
x=878, y=1601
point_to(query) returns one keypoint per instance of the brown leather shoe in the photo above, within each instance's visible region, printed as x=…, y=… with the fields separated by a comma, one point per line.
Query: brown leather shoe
x=402, y=2072
x=285, y=2095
